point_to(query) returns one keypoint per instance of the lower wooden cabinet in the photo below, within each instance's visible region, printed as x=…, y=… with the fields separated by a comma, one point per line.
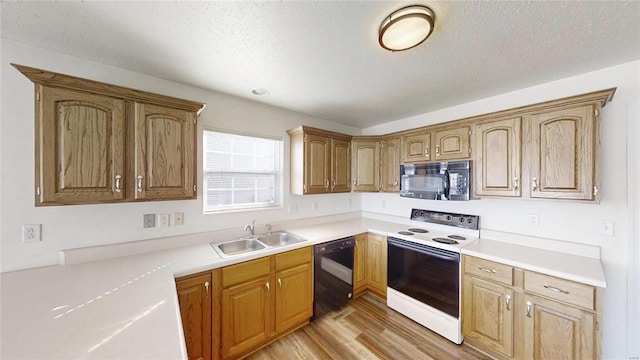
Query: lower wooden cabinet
x=194, y=297
x=511, y=313
x=263, y=299
x=377, y=264
x=488, y=315
x=360, y=265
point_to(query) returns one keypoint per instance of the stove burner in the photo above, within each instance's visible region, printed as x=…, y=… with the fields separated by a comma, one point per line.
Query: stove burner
x=405, y=233
x=457, y=237
x=444, y=240
x=418, y=230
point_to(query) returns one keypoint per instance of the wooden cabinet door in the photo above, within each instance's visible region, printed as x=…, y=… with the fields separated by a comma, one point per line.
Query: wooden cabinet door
x=340, y=165
x=317, y=164
x=246, y=316
x=377, y=264
x=416, y=148
x=562, y=154
x=390, y=165
x=488, y=315
x=194, y=297
x=497, y=158
x=79, y=148
x=556, y=331
x=294, y=296
x=366, y=165
x=360, y=265
x=165, y=153
x=452, y=144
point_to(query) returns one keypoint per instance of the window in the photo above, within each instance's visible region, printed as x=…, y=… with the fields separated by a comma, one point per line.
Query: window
x=241, y=172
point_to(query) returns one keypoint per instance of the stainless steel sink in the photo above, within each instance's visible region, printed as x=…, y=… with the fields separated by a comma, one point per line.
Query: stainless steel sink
x=255, y=243
x=280, y=238
x=237, y=247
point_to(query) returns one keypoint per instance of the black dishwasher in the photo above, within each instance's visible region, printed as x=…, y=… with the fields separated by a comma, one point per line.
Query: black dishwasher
x=332, y=275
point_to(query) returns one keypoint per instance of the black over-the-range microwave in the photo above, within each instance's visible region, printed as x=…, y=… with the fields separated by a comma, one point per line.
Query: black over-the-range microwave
x=437, y=181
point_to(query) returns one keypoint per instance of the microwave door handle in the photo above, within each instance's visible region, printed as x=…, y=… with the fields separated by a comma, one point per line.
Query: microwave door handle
x=445, y=184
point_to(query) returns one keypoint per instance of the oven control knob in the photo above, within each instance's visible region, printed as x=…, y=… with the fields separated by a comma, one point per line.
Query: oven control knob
x=461, y=219
x=469, y=220
x=448, y=217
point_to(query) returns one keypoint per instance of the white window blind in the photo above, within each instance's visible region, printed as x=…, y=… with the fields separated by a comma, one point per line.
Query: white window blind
x=240, y=172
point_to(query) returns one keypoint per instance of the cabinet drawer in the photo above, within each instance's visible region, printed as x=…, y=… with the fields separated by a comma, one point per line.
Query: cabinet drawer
x=489, y=270
x=293, y=258
x=235, y=274
x=560, y=289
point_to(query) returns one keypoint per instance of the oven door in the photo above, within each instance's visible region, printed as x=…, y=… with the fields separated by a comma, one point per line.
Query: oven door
x=427, y=274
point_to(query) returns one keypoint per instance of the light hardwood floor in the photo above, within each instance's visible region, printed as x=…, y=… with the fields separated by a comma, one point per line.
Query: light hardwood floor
x=365, y=329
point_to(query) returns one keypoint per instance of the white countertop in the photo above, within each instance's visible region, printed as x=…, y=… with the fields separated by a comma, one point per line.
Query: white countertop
x=127, y=307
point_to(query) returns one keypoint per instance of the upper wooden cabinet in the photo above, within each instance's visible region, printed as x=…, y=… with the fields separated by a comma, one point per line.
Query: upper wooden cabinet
x=437, y=144
x=563, y=152
x=416, y=147
x=97, y=142
x=452, y=144
x=390, y=164
x=165, y=152
x=320, y=161
x=366, y=165
x=497, y=162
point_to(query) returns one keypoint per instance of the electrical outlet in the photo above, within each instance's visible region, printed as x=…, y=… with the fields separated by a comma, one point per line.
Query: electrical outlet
x=31, y=233
x=178, y=219
x=164, y=220
x=314, y=205
x=534, y=219
x=148, y=220
x=607, y=227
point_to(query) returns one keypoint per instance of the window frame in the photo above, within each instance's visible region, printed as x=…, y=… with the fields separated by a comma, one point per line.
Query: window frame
x=279, y=172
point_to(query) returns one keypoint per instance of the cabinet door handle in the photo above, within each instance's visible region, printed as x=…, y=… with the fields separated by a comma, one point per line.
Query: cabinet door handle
x=546, y=286
x=535, y=184
x=139, y=183
x=354, y=181
x=528, y=309
x=516, y=183
x=426, y=151
x=280, y=282
x=508, y=301
x=437, y=150
x=118, y=188
x=490, y=271
x=268, y=287
x=326, y=184
x=395, y=183
x=334, y=182
x=206, y=288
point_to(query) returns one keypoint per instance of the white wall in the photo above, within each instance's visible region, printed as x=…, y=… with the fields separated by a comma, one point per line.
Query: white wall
x=65, y=227
x=568, y=221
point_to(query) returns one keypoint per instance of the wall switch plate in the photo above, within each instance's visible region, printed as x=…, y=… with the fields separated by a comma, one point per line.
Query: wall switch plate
x=534, y=219
x=31, y=233
x=607, y=227
x=178, y=219
x=164, y=220
x=148, y=220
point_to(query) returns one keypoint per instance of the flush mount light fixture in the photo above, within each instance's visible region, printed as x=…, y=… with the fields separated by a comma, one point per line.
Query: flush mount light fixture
x=259, y=91
x=406, y=28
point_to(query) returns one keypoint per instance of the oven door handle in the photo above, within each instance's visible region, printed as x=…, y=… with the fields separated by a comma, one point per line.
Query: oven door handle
x=429, y=251
x=446, y=184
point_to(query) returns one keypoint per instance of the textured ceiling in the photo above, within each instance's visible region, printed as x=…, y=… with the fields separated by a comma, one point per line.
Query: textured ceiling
x=322, y=58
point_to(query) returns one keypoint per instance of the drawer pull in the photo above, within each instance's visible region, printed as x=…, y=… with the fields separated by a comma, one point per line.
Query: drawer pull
x=528, y=309
x=508, y=301
x=490, y=271
x=556, y=289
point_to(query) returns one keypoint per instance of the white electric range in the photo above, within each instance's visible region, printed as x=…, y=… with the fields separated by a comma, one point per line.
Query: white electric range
x=424, y=269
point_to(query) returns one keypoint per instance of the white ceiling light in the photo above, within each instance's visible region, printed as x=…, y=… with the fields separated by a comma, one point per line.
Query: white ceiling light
x=406, y=28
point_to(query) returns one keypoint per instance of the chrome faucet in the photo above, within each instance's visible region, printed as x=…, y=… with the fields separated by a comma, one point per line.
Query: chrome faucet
x=251, y=228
